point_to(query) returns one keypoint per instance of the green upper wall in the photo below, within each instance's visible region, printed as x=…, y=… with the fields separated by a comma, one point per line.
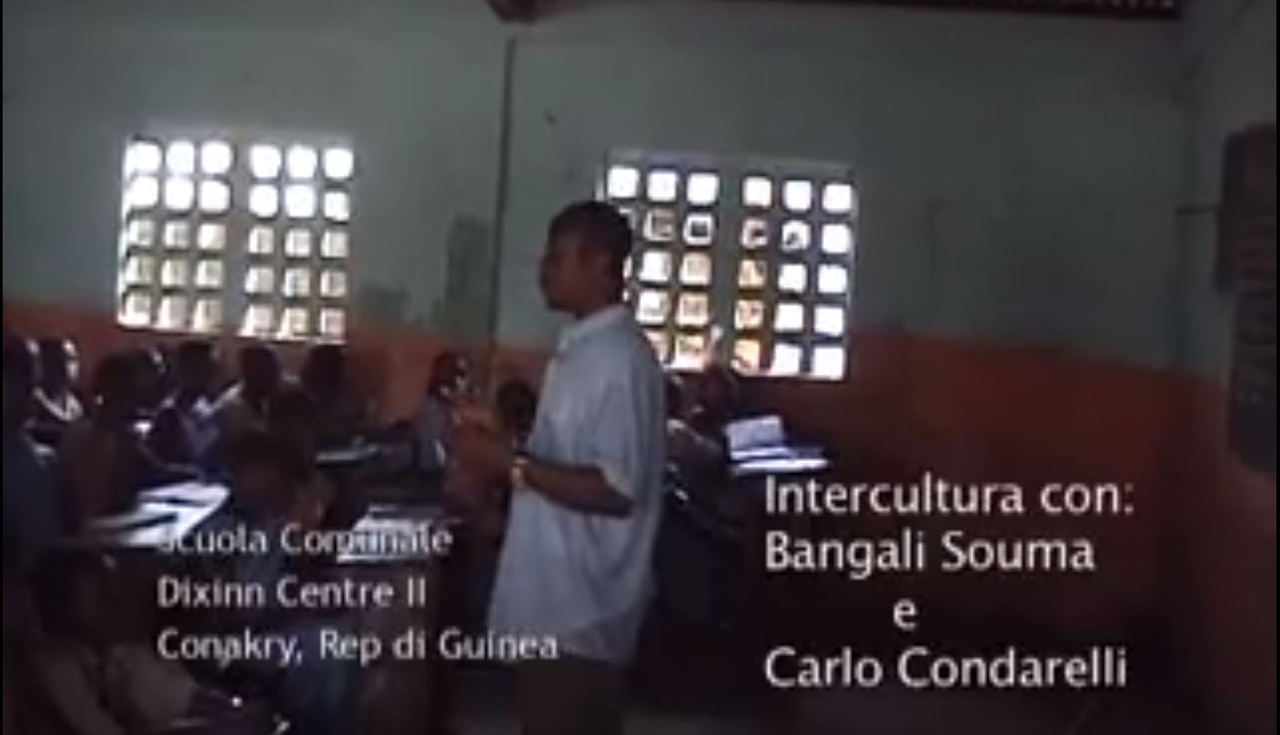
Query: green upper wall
x=1020, y=176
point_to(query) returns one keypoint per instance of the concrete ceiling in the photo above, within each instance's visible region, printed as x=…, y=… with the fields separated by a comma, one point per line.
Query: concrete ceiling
x=528, y=11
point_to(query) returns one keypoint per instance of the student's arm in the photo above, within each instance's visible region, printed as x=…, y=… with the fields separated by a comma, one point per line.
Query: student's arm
x=602, y=486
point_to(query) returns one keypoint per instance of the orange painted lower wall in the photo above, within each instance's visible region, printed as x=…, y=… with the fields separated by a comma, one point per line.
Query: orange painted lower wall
x=1197, y=556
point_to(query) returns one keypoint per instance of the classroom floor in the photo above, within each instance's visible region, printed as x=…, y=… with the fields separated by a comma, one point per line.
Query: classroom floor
x=485, y=708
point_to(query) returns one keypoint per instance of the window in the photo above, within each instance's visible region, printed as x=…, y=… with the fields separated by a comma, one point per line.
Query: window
x=744, y=260
x=225, y=236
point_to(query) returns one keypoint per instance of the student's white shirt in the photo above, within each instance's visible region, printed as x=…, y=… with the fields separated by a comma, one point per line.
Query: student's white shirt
x=580, y=577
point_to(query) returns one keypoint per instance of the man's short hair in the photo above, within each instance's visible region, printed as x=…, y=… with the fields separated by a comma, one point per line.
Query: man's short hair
x=598, y=225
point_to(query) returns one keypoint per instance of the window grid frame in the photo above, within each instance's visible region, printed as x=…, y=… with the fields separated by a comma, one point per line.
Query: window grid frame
x=238, y=223
x=731, y=213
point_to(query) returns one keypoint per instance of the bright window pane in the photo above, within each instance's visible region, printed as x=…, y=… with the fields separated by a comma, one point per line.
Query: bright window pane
x=757, y=191
x=144, y=192
x=828, y=362
x=795, y=236
x=179, y=194
x=622, y=182
x=264, y=201
x=297, y=243
x=136, y=309
x=699, y=229
x=300, y=201
x=208, y=315
x=652, y=307
x=180, y=158
x=752, y=274
x=175, y=274
x=258, y=320
x=786, y=359
x=215, y=196
x=797, y=195
x=833, y=279
x=691, y=351
x=212, y=236
x=334, y=244
x=142, y=157
x=294, y=323
x=177, y=235
x=339, y=163
x=792, y=277
x=660, y=225
x=265, y=161
x=216, y=157
x=301, y=162
x=664, y=185
x=262, y=241
x=695, y=269
x=333, y=323
x=829, y=321
x=837, y=239
x=655, y=267
x=748, y=314
x=755, y=233
x=337, y=206
x=333, y=284
x=746, y=355
x=297, y=282
x=260, y=279
x=142, y=232
x=704, y=187
x=209, y=274
x=789, y=317
x=837, y=198
x=139, y=270
x=693, y=310
x=173, y=313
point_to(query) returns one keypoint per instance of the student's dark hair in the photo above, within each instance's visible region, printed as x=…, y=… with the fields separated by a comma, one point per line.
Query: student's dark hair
x=19, y=361
x=293, y=405
x=598, y=225
x=52, y=351
x=325, y=368
x=116, y=375
x=446, y=368
x=193, y=354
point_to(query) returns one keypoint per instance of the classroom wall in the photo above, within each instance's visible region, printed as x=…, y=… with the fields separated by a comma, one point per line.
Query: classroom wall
x=1227, y=525
x=1026, y=300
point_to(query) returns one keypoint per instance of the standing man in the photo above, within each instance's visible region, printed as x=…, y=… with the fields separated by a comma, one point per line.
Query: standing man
x=576, y=560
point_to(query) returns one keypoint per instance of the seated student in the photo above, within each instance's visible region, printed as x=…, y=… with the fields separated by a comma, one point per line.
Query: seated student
x=697, y=450
x=317, y=694
x=153, y=376
x=295, y=424
x=184, y=431
x=244, y=406
x=30, y=491
x=57, y=404
x=324, y=378
x=449, y=384
x=104, y=461
x=97, y=670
